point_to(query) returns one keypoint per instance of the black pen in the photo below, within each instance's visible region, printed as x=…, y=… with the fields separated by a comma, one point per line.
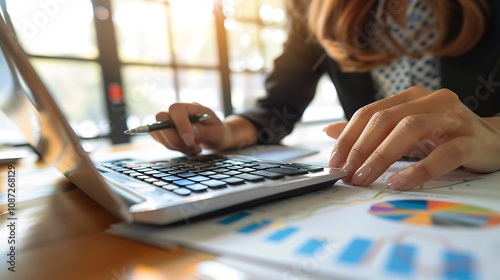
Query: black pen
x=164, y=125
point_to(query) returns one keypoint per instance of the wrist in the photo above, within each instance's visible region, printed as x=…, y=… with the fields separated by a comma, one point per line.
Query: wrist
x=238, y=133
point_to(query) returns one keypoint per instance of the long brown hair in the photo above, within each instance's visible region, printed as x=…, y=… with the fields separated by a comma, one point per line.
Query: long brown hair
x=336, y=24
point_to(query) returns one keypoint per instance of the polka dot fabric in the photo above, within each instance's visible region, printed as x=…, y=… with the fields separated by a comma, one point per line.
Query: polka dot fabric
x=417, y=66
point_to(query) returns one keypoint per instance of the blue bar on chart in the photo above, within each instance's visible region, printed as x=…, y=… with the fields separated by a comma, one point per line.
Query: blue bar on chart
x=282, y=234
x=234, y=218
x=311, y=247
x=458, y=266
x=402, y=259
x=356, y=251
x=254, y=226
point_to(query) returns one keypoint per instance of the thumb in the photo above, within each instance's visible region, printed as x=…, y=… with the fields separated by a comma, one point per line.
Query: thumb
x=335, y=129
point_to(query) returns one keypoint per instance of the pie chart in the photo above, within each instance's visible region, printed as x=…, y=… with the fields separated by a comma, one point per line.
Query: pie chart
x=436, y=213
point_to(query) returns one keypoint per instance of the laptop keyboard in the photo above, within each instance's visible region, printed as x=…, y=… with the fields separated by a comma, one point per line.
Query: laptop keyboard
x=196, y=174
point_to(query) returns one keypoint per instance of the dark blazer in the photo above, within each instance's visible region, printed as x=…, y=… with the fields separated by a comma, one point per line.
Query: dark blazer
x=473, y=76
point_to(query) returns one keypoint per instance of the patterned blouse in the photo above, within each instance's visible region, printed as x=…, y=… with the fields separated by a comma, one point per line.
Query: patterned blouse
x=417, y=66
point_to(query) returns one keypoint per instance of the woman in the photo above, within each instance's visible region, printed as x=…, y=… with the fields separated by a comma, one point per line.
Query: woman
x=415, y=78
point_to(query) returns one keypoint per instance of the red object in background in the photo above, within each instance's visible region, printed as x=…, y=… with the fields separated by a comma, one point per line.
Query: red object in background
x=115, y=93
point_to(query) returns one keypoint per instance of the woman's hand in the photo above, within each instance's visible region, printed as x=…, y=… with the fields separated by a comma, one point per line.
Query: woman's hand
x=435, y=127
x=186, y=136
x=212, y=134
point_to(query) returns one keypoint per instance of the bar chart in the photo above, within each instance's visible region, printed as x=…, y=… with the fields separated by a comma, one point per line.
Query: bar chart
x=396, y=255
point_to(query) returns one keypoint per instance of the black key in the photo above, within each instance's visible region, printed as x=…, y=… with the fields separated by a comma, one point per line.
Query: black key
x=166, y=169
x=171, y=178
x=177, y=171
x=120, y=169
x=186, y=174
x=214, y=184
x=288, y=171
x=197, y=187
x=144, y=170
x=268, y=174
x=221, y=170
x=138, y=167
x=208, y=168
x=308, y=167
x=219, y=176
x=183, y=182
x=160, y=175
x=250, y=177
x=246, y=169
x=236, y=167
x=182, y=191
x=265, y=166
x=234, y=181
x=198, y=178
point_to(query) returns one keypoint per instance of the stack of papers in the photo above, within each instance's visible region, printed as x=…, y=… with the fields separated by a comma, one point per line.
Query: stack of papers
x=448, y=228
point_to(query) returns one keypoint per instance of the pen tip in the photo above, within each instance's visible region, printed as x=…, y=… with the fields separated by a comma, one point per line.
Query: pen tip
x=126, y=131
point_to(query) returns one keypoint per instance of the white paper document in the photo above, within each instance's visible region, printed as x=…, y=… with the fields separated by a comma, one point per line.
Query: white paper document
x=448, y=228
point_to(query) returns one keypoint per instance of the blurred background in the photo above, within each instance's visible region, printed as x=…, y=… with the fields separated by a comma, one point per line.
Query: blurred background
x=113, y=64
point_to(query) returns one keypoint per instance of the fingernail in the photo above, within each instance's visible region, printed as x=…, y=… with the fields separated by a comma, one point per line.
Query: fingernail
x=196, y=131
x=361, y=175
x=349, y=168
x=398, y=181
x=188, y=140
x=334, y=160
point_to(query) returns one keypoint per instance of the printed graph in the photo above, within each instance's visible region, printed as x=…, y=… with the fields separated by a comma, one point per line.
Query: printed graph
x=402, y=259
x=436, y=213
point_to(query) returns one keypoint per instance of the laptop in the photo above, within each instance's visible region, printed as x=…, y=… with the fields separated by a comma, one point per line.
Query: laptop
x=167, y=191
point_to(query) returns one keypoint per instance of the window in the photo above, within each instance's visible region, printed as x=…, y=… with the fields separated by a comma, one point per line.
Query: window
x=60, y=38
x=154, y=53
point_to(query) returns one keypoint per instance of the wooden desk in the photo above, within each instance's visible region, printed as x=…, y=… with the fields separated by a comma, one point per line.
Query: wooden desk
x=60, y=234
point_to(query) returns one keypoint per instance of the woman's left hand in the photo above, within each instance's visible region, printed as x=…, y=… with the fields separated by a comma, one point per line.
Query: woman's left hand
x=435, y=127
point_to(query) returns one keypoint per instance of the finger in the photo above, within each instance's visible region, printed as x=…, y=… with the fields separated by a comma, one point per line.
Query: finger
x=168, y=137
x=407, y=135
x=173, y=142
x=382, y=126
x=335, y=129
x=360, y=119
x=162, y=116
x=179, y=114
x=171, y=139
x=442, y=160
x=425, y=131
x=383, y=122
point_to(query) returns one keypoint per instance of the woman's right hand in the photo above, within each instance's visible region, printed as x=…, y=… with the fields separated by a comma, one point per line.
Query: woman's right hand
x=190, y=138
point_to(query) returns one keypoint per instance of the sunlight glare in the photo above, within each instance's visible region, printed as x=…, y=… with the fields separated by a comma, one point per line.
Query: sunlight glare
x=191, y=12
x=128, y=16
